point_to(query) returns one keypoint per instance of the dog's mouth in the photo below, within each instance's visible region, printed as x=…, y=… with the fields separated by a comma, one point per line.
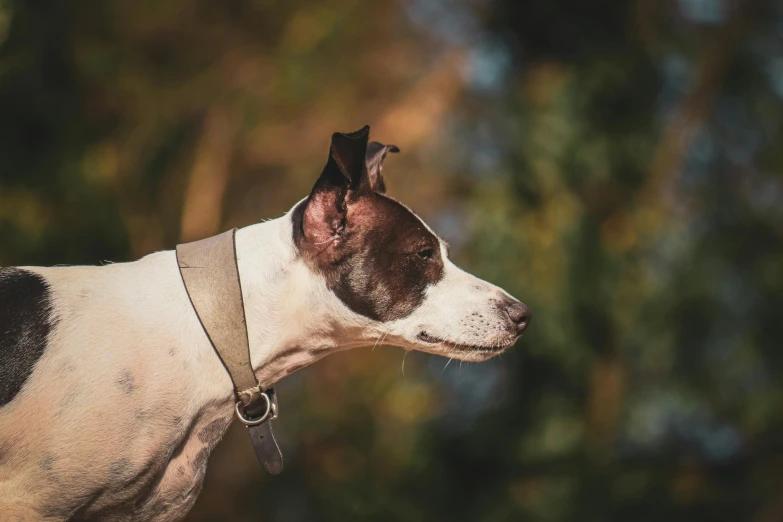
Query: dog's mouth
x=426, y=338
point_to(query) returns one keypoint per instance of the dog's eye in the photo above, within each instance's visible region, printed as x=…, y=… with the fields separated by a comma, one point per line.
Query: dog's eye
x=427, y=253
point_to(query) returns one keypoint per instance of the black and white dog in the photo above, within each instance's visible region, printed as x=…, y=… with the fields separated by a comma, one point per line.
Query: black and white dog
x=111, y=396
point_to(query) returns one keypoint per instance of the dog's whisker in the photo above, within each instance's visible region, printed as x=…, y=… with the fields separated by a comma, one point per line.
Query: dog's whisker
x=447, y=364
x=403, y=362
x=376, y=341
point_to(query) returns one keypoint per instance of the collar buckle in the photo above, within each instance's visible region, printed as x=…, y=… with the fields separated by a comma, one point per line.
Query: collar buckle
x=269, y=398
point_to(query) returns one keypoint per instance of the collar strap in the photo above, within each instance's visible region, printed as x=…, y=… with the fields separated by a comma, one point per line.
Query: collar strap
x=209, y=271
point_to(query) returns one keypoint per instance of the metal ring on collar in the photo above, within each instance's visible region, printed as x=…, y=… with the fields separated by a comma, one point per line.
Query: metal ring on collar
x=255, y=422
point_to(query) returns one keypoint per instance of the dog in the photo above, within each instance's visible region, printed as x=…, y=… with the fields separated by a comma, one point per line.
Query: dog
x=111, y=395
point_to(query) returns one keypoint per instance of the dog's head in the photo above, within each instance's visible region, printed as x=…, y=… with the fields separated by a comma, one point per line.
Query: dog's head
x=385, y=264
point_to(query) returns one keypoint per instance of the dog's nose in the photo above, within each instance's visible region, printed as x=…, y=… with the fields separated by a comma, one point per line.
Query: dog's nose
x=520, y=315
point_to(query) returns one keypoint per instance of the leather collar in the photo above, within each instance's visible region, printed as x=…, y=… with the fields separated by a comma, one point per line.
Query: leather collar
x=209, y=271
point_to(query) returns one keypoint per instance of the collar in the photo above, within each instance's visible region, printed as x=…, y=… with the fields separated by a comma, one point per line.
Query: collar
x=209, y=271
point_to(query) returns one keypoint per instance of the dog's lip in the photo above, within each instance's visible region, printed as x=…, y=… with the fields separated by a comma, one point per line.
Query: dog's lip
x=427, y=338
x=431, y=339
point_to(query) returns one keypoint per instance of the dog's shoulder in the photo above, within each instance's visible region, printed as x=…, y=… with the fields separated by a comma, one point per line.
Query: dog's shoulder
x=26, y=319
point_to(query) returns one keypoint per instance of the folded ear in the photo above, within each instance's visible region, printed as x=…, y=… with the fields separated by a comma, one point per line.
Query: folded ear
x=376, y=153
x=345, y=170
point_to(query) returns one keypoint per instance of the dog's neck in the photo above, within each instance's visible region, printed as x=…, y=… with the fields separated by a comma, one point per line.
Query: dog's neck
x=293, y=319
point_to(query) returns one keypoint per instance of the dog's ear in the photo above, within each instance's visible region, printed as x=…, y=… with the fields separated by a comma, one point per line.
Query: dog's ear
x=345, y=171
x=346, y=156
x=376, y=153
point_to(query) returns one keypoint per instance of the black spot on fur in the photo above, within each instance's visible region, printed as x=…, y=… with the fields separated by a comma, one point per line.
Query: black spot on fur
x=172, y=351
x=290, y=352
x=295, y=368
x=200, y=462
x=70, y=396
x=26, y=320
x=212, y=432
x=119, y=469
x=126, y=382
x=47, y=462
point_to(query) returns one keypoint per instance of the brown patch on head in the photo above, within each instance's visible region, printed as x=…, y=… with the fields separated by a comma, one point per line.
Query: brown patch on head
x=376, y=255
x=392, y=259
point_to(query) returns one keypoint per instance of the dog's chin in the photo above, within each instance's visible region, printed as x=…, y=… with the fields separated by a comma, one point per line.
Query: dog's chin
x=460, y=351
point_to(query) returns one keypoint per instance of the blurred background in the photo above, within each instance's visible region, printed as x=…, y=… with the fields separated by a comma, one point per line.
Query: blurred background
x=615, y=164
